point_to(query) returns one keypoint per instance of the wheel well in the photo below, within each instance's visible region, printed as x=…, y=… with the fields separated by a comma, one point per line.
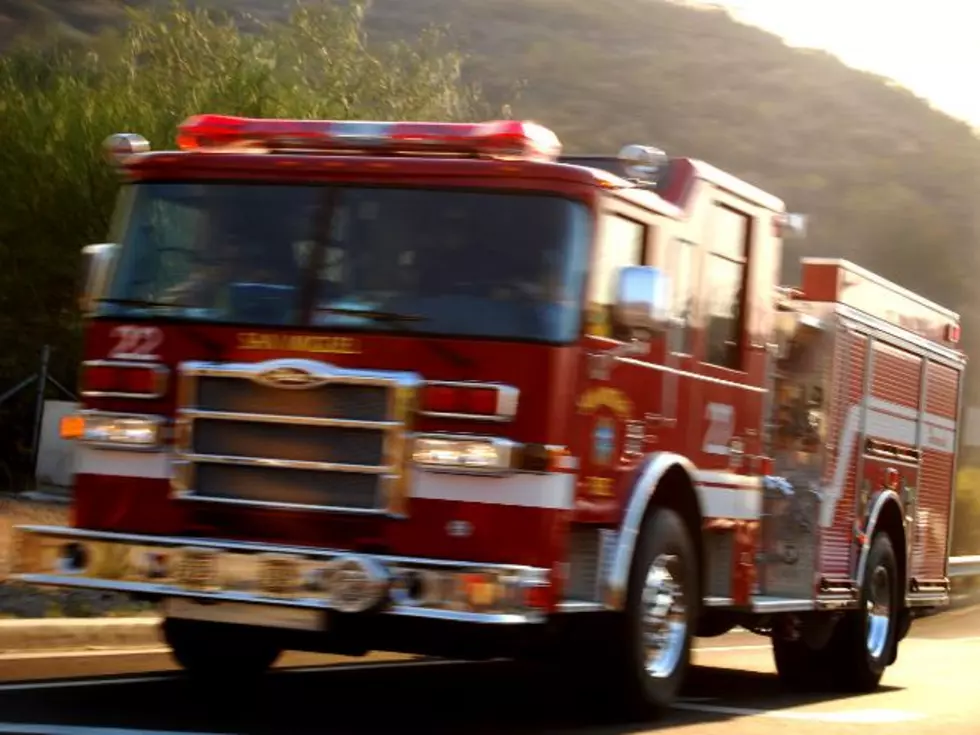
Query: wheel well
x=676, y=491
x=890, y=522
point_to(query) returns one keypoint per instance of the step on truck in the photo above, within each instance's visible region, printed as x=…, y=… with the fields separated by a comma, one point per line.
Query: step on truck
x=437, y=388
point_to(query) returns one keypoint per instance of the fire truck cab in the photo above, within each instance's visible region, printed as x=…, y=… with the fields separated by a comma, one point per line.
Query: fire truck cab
x=437, y=388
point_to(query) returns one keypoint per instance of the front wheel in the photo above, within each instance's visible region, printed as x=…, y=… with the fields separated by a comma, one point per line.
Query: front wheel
x=654, y=645
x=218, y=652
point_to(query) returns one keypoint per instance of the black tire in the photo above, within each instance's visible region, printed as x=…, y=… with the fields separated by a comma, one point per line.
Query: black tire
x=665, y=544
x=217, y=652
x=800, y=668
x=860, y=658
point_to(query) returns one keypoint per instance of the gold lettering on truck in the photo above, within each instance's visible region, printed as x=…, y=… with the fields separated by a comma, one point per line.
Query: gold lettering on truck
x=311, y=343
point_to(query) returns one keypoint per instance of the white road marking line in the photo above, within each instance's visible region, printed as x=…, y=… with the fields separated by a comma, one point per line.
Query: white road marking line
x=76, y=683
x=863, y=716
x=36, y=729
x=369, y=667
x=95, y=653
x=964, y=639
x=766, y=646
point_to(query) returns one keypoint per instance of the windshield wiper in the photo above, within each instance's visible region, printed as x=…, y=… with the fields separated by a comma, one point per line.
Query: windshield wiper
x=372, y=314
x=140, y=302
x=393, y=317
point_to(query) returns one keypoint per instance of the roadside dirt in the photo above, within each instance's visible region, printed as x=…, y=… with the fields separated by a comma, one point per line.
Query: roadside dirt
x=21, y=601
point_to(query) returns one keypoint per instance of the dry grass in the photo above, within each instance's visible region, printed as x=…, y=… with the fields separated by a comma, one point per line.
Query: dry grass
x=22, y=601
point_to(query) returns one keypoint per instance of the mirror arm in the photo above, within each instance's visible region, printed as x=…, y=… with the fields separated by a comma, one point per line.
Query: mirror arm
x=600, y=363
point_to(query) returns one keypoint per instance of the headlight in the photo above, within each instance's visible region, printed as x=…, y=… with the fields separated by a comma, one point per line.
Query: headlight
x=114, y=430
x=464, y=454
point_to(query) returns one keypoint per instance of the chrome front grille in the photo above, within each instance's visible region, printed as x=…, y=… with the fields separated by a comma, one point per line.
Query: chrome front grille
x=339, y=401
x=293, y=434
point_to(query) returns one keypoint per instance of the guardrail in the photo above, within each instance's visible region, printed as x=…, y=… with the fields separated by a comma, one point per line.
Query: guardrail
x=964, y=566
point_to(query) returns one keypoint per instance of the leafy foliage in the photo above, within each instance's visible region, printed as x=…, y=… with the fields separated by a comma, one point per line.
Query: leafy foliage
x=888, y=181
x=59, y=101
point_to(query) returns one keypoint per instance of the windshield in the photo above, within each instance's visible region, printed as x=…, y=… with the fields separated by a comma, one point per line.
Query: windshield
x=457, y=262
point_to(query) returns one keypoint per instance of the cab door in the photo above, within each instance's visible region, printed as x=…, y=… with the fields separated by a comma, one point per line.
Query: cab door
x=727, y=417
x=618, y=417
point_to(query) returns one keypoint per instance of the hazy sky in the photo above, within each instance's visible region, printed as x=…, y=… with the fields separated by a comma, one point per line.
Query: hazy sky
x=930, y=47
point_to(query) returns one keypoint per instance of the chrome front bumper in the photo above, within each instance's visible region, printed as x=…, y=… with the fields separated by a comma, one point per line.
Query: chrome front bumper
x=176, y=569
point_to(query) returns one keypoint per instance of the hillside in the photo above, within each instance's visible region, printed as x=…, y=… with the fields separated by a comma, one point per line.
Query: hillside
x=887, y=180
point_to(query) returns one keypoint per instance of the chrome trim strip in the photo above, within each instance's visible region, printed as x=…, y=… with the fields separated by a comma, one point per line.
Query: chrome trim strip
x=193, y=497
x=862, y=433
x=693, y=376
x=617, y=580
x=579, y=606
x=927, y=599
x=462, y=416
x=883, y=497
x=960, y=398
x=252, y=547
x=365, y=469
x=269, y=418
x=463, y=616
x=869, y=456
x=773, y=606
x=333, y=374
x=162, y=375
x=144, y=588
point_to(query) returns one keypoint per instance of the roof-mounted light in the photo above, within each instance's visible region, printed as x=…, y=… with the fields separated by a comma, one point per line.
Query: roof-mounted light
x=120, y=146
x=512, y=139
x=643, y=162
x=790, y=225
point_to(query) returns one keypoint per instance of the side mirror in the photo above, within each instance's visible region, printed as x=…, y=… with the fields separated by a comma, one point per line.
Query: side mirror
x=96, y=260
x=642, y=300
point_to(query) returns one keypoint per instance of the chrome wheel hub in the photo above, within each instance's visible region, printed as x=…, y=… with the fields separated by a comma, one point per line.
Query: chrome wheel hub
x=879, y=612
x=664, y=618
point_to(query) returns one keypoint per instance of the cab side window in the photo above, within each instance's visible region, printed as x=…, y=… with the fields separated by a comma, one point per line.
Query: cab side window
x=681, y=264
x=726, y=269
x=621, y=243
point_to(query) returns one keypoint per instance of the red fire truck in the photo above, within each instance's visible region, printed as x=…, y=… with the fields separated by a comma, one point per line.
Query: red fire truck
x=437, y=388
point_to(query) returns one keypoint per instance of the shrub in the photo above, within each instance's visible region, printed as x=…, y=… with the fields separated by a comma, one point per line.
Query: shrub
x=59, y=102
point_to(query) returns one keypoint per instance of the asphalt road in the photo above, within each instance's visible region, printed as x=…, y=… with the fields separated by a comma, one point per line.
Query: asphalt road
x=733, y=690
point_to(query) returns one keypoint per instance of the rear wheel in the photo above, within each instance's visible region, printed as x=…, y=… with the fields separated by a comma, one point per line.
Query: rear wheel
x=864, y=641
x=218, y=652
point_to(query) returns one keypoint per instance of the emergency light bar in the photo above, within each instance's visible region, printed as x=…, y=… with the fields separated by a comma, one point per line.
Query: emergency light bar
x=501, y=139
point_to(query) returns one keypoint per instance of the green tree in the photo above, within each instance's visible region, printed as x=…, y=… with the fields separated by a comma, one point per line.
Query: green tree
x=58, y=102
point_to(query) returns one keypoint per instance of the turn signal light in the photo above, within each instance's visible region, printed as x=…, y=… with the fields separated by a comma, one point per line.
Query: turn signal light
x=116, y=431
